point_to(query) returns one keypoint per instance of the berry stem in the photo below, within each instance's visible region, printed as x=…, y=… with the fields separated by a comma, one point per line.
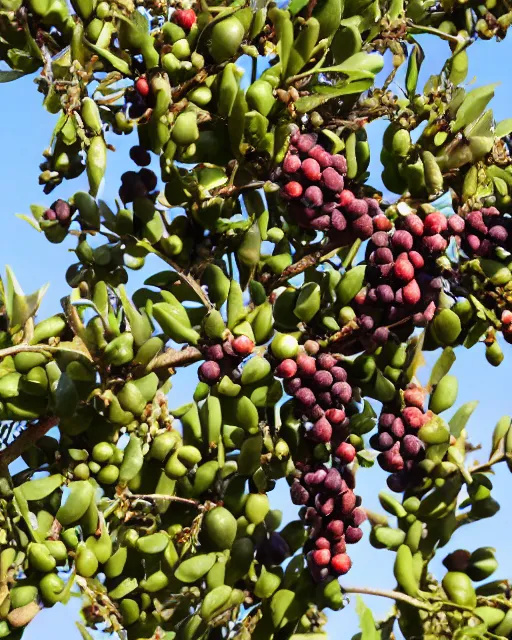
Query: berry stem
x=393, y=595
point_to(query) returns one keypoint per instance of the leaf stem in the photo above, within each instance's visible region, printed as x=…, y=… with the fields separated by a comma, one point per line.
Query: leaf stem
x=393, y=595
x=485, y=466
x=433, y=31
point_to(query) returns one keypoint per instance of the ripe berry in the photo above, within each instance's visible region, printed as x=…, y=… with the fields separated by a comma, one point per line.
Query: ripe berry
x=346, y=452
x=335, y=416
x=314, y=197
x=338, y=220
x=311, y=347
x=339, y=162
x=50, y=214
x=414, y=417
x=311, y=169
x=382, y=223
x=386, y=420
x=332, y=180
x=416, y=259
x=435, y=243
x=321, y=557
x=404, y=269
x=382, y=255
x=291, y=163
x=456, y=224
x=185, y=18
x=306, y=141
x=322, y=380
x=363, y=227
x=411, y=293
x=149, y=178
x=142, y=86
x=321, y=431
x=339, y=374
x=140, y=156
x=286, y=369
x=435, y=223
x=335, y=529
x=209, y=372
x=380, y=239
x=341, y=564
x=473, y=242
x=322, y=543
x=298, y=493
x=326, y=361
x=62, y=210
x=411, y=446
x=342, y=391
x=346, y=197
x=357, y=208
x=316, y=412
x=358, y=516
x=506, y=317
x=380, y=335
x=385, y=293
x=322, y=223
x=353, y=535
x=306, y=365
x=322, y=156
x=347, y=503
x=293, y=189
x=306, y=397
x=333, y=481
x=402, y=240
x=339, y=546
x=243, y=345
x=498, y=234
x=475, y=219
x=215, y=352
x=413, y=224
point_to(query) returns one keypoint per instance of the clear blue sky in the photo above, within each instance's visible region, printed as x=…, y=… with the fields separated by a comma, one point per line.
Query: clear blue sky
x=25, y=134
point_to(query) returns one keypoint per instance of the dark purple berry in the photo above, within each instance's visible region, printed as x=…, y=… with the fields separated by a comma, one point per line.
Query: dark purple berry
x=332, y=481
x=411, y=446
x=306, y=397
x=298, y=493
x=332, y=179
x=322, y=380
x=209, y=372
x=313, y=196
x=342, y=391
x=402, y=240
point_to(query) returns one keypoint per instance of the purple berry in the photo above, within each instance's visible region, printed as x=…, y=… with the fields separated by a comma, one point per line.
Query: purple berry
x=292, y=385
x=358, y=516
x=411, y=447
x=333, y=481
x=382, y=255
x=385, y=293
x=314, y=196
x=322, y=223
x=322, y=380
x=384, y=442
x=498, y=234
x=456, y=224
x=215, y=352
x=291, y=163
x=209, y=372
x=342, y=391
x=380, y=335
x=332, y=180
x=338, y=220
x=380, y=239
x=339, y=162
x=339, y=374
x=298, y=493
x=402, y=240
x=306, y=397
x=326, y=361
x=325, y=399
x=357, y=208
x=306, y=141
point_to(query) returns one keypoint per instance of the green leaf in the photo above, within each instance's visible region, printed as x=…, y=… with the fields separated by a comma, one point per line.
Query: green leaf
x=37, y=210
x=10, y=76
x=363, y=422
x=31, y=221
x=296, y=5
x=19, y=306
x=461, y=416
x=118, y=63
x=366, y=621
x=473, y=105
x=503, y=128
x=308, y=103
x=442, y=366
x=474, y=334
x=365, y=459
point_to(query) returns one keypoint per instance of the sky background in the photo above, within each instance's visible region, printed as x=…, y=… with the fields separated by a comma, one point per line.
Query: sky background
x=26, y=132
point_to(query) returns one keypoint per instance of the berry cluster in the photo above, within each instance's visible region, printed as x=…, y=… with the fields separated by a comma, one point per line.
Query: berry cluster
x=481, y=232
x=397, y=439
x=61, y=211
x=401, y=273
x=319, y=385
x=137, y=184
x=333, y=513
x=312, y=180
x=223, y=359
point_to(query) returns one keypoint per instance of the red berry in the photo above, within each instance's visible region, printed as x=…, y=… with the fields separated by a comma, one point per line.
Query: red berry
x=320, y=155
x=335, y=416
x=435, y=243
x=332, y=179
x=341, y=564
x=291, y=163
x=286, y=369
x=339, y=546
x=306, y=365
x=142, y=86
x=185, y=18
x=414, y=397
x=242, y=345
x=339, y=162
x=363, y=227
x=311, y=169
x=346, y=452
x=414, y=417
x=322, y=543
x=404, y=270
x=506, y=316
x=416, y=259
x=411, y=293
x=314, y=197
x=321, y=431
x=353, y=534
x=335, y=529
x=293, y=189
x=306, y=141
x=435, y=223
x=346, y=197
x=322, y=557
x=382, y=223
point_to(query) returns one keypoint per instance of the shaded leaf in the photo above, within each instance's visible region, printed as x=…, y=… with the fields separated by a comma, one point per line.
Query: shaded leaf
x=10, y=76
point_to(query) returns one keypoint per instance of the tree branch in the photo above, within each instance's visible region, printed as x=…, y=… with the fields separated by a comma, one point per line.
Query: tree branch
x=173, y=358
x=31, y=435
x=163, y=496
x=393, y=595
x=301, y=265
x=18, y=348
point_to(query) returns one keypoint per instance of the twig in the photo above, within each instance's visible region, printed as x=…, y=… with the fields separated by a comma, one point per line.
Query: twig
x=173, y=358
x=163, y=496
x=433, y=31
x=31, y=434
x=485, y=466
x=18, y=348
x=393, y=595
x=301, y=265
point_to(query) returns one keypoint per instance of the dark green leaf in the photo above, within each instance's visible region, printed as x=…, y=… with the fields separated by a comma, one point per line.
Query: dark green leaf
x=9, y=76
x=477, y=330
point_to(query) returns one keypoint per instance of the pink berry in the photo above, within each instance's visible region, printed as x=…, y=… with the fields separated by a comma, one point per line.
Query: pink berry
x=322, y=543
x=335, y=529
x=322, y=156
x=506, y=317
x=332, y=180
x=311, y=169
x=321, y=431
x=363, y=227
x=416, y=259
x=414, y=397
x=321, y=557
x=475, y=219
x=435, y=223
x=346, y=197
x=209, y=372
x=291, y=163
x=414, y=224
x=335, y=416
x=306, y=365
x=341, y=564
x=306, y=142
x=243, y=345
x=313, y=196
x=382, y=223
x=411, y=293
x=357, y=208
x=456, y=224
x=306, y=397
x=286, y=369
x=414, y=417
x=339, y=546
x=404, y=270
x=435, y=243
x=339, y=162
x=353, y=535
x=346, y=452
x=293, y=189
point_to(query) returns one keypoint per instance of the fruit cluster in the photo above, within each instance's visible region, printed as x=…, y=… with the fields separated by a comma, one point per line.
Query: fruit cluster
x=59, y=211
x=313, y=181
x=397, y=439
x=223, y=359
x=333, y=513
x=403, y=279
x=481, y=232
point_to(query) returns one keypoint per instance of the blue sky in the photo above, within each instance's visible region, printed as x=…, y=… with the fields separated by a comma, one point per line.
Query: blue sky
x=26, y=132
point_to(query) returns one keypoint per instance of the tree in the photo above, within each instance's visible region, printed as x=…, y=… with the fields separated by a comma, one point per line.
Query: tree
x=306, y=297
